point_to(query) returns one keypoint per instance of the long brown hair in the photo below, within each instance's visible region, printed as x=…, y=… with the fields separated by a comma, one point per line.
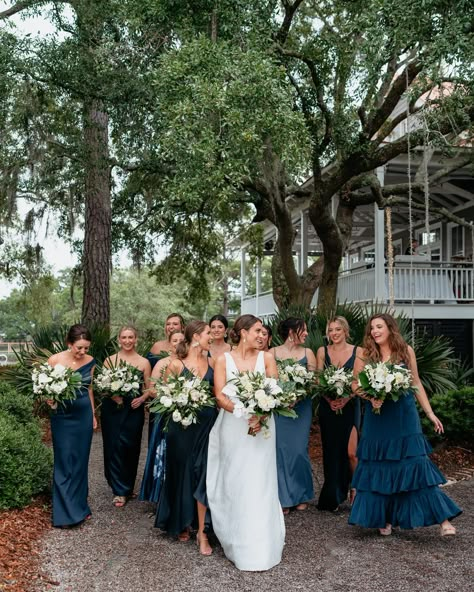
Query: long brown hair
x=182, y=349
x=396, y=343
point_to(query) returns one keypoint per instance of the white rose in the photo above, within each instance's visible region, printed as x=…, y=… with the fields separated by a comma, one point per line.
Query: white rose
x=238, y=409
x=43, y=378
x=176, y=416
x=187, y=421
x=166, y=401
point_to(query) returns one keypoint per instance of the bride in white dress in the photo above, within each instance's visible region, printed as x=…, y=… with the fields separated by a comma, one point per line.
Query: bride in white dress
x=242, y=484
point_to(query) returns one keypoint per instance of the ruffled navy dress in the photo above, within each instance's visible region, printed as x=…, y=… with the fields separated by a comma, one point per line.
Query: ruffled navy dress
x=336, y=430
x=71, y=430
x=122, y=428
x=396, y=481
x=185, y=470
x=295, y=477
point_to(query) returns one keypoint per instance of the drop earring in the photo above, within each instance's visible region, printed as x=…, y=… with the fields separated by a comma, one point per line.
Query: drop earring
x=195, y=343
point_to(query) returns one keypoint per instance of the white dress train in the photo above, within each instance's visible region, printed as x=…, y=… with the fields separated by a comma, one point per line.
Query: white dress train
x=242, y=488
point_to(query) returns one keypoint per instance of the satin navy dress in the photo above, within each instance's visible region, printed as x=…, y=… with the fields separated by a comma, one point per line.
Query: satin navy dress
x=295, y=477
x=71, y=429
x=122, y=428
x=396, y=481
x=335, y=433
x=186, y=468
x=154, y=472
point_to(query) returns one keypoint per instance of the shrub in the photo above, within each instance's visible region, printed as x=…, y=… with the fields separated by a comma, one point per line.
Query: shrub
x=25, y=462
x=18, y=405
x=455, y=409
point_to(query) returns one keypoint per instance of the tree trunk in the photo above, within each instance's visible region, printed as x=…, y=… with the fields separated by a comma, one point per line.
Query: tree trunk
x=97, y=254
x=336, y=246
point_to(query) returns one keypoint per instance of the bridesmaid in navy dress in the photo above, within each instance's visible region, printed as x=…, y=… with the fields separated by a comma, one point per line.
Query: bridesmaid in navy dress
x=295, y=477
x=174, y=322
x=397, y=483
x=159, y=350
x=183, y=499
x=219, y=326
x=122, y=421
x=339, y=431
x=154, y=466
x=71, y=428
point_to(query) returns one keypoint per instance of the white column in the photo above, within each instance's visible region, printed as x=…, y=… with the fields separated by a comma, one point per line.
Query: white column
x=379, y=219
x=304, y=243
x=242, y=275
x=258, y=285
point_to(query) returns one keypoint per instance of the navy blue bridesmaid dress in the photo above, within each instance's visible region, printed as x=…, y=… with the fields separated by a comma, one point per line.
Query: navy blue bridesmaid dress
x=154, y=472
x=71, y=429
x=295, y=477
x=186, y=468
x=122, y=428
x=335, y=433
x=396, y=481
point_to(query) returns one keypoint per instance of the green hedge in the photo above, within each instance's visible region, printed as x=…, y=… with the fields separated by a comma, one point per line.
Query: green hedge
x=25, y=462
x=455, y=409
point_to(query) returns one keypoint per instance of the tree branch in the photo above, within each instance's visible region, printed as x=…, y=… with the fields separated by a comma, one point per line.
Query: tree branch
x=392, y=98
x=290, y=11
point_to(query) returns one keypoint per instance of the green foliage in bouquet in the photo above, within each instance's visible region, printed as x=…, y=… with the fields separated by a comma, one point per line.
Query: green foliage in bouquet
x=25, y=462
x=455, y=409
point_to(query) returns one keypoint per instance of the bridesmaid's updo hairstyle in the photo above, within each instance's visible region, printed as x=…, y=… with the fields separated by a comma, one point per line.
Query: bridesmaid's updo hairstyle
x=246, y=322
x=397, y=344
x=76, y=333
x=183, y=347
x=290, y=324
x=344, y=324
x=128, y=328
x=269, y=330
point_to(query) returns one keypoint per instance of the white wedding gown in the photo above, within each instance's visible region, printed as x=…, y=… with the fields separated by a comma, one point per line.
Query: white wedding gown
x=242, y=488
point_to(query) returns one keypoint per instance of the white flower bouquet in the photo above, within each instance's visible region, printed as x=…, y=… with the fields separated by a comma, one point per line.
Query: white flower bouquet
x=122, y=380
x=57, y=383
x=383, y=380
x=335, y=383
x=301, y=379
x=255, y=394
x=180, y=399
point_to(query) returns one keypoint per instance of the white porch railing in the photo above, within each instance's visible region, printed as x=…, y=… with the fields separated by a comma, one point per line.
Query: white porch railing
x=430, y=282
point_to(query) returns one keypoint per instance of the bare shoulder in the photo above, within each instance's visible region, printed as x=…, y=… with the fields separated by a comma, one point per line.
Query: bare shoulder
x=268, y=357
x=55, y=359
x=360, y=352
x=220, y=361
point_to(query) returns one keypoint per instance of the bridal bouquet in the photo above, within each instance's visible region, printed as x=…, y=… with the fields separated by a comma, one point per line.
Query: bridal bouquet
x=301, y=379
x=57, y=383
x=122, y=380
x=335, y=383
x=255, y=394
x=383, y=380
x=180, y=399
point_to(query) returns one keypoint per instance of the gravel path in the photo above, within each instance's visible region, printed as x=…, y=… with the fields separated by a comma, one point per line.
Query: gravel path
x=119, y=550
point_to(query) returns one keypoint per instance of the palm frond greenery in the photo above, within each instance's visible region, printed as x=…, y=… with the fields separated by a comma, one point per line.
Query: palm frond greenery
x=437, y=365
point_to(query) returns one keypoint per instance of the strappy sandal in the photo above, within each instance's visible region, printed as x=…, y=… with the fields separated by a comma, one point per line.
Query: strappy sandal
x=208, y=551
x=119, y=501
x=301, y=507
x=447, y=530
x=352, y=494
